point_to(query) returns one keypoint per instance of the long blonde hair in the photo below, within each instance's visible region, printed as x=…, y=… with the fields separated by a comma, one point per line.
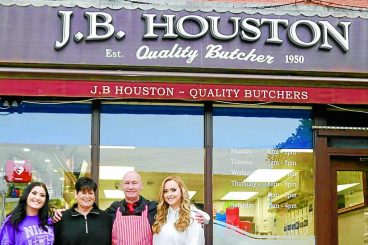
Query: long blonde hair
x=162, y=208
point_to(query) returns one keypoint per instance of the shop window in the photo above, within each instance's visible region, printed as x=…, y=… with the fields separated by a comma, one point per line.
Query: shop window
x=50, y=143
x=155, y=140
x=263, y=176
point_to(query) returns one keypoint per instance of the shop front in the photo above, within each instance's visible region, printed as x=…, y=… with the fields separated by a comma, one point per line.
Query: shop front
x=263, y=116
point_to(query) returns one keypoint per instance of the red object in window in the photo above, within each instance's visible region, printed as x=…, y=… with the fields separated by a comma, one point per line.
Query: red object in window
x=245, y=225
x=18, y=171
x=232, y=216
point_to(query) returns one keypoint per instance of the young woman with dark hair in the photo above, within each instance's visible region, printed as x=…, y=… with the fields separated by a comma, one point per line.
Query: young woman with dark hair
x=29, y=222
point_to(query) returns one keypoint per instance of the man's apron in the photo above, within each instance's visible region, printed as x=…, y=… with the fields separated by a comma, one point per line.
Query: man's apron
x=131, y=229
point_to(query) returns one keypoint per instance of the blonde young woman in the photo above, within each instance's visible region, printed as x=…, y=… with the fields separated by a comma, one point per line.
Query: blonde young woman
x=175, y=220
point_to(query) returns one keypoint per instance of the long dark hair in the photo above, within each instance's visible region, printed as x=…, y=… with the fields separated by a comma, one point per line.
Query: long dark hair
x=19, y=212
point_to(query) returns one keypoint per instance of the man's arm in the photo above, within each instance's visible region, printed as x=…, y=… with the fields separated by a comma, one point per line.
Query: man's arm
x=201, y=216
x=152, y=211
x=111, y=210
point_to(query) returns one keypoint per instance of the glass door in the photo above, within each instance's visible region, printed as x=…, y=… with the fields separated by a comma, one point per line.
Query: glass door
x=351, y=199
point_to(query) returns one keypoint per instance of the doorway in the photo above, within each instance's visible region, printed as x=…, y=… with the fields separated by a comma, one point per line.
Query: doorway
x=349, y=175
x=338, y=149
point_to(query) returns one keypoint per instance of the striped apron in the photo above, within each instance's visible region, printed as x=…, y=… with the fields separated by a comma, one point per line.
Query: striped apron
x=131, y=229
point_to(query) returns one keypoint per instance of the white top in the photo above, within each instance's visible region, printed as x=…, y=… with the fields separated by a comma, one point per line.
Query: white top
x=193, y=235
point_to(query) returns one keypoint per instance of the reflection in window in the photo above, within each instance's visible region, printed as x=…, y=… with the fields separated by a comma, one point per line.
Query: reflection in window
x=51, y=142
x=157, y=141
x=263, y=174
x=349, y=189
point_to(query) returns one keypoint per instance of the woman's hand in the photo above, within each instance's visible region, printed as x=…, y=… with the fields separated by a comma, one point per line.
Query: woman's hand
x=57, y=215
